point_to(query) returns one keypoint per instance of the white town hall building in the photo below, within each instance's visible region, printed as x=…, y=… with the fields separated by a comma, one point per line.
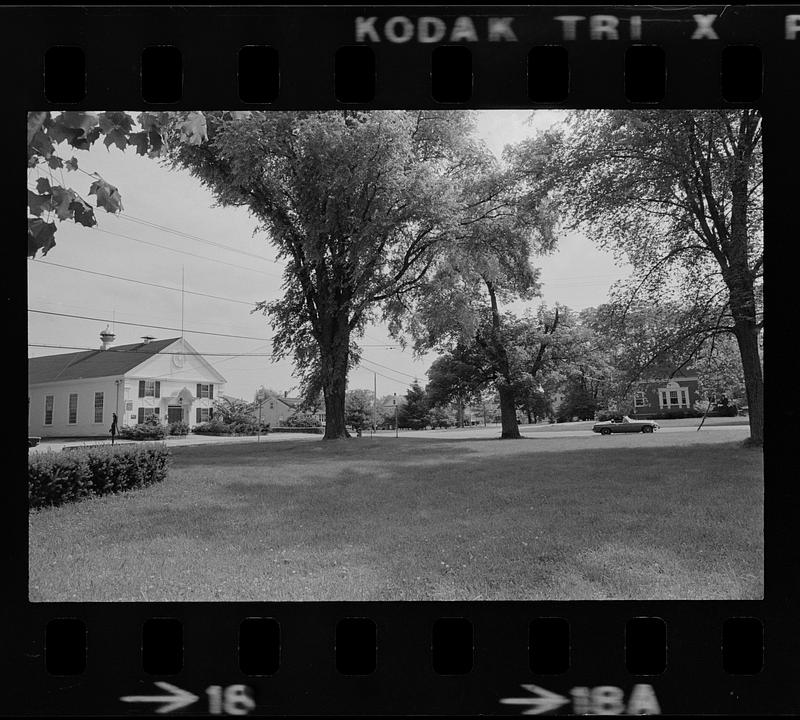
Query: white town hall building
x=75, y=394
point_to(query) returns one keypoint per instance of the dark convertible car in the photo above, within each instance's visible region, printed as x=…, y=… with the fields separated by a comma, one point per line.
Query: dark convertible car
x=625, y=424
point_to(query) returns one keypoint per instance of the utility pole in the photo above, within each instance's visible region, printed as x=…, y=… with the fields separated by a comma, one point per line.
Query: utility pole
x=181, y=302
x=374, y=402
x=395, y=414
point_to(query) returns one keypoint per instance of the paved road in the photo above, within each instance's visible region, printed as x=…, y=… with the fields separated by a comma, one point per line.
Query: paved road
x=46, y=446
x=574, y=429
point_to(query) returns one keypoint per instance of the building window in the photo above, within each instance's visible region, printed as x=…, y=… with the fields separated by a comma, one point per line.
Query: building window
x=73, y=408
x=639, y=399
x=149, y=388
x=673, y=397
x=664, y=402
x=203, y=414
x=98, y=407
x=683, y=398
x=205, y=391
x=147, y=412
x=48, y=409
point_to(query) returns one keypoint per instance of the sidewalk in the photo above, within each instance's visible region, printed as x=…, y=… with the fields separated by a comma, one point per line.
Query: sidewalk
x=172, y=441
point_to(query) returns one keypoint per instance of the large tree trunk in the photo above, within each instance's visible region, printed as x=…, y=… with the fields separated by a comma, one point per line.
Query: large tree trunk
x=747, y=339
x=334, y=385
x=740, y=281
x=508, y=413
x=508, y=404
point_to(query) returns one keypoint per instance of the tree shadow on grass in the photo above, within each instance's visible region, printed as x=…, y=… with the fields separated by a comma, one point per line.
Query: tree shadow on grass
x=329, y=499
x=444, y=520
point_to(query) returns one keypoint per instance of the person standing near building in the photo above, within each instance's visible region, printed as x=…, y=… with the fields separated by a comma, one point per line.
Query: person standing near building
x=113, y=427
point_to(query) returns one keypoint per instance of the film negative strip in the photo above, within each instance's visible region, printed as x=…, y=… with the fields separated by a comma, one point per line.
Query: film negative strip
x=412, y=568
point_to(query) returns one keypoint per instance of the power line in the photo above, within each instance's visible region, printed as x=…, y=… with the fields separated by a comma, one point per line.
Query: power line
x=145, y=352
x=189, y=236
x=386, y=367
x=97, y=228
x=142, y=282
x=180, y=233
x=148, y=325
x=399, y=382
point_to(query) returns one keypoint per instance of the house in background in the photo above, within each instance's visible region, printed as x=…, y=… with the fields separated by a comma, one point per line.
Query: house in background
x=662, y=392
x=277, y=409
x=74, y=394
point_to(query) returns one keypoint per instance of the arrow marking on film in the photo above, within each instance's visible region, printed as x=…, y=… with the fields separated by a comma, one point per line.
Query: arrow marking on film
x=545, y=702
x=177, y=699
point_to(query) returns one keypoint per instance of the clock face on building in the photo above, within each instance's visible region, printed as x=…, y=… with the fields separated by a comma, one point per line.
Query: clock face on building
x=178, y=360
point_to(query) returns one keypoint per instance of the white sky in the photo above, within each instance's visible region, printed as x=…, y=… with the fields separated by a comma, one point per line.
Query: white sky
x=577, y=274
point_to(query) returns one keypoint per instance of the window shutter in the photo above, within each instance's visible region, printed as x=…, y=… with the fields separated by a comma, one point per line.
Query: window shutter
x=211, y=391
x=198, y=415
x=141, y=388
x=141, y=415
x=158, y=389
x=198, y=390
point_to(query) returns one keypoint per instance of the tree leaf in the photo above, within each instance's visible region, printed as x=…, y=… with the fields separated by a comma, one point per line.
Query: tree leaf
x=110, y=121
x=35, y=122
x=116, y=137
x=62, y=199
x=43, y=185
x=84, y=143
x=140, y=141
x=83, y=213
x=40, y=236
x=42, y=144
x=71, y=164
x=156, y=142
x=194, y=130
x=108, y=196
x=37, y=204
x=77, y=120
x=55, y=162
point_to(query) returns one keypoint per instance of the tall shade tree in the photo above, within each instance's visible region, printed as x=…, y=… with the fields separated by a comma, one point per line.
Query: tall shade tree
x=487, y=262
x=679, y=195
x=357, y=203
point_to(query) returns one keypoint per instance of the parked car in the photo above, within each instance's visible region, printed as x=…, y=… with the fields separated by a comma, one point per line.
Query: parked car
x=625, y=424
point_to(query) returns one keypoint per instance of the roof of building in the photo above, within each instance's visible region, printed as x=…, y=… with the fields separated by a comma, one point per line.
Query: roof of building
x=665, y=372
x=93, y=363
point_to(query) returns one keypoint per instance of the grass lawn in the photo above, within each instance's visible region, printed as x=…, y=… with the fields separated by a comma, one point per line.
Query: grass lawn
x=545, y=518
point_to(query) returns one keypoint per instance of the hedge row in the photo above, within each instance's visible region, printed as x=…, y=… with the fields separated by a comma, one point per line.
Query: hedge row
x=314, y=430
x=218, y=427
x=56, y=478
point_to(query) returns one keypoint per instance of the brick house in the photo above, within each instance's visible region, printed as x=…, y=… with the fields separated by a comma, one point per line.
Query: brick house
x=662, y=392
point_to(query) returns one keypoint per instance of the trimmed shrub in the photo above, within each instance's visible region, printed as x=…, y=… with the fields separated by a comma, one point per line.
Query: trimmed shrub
x=283, y=429
x=303, y=420
x=57, y=478
x=150, y=429
x=249, y=428
x=212, y=427
x=178, y=428
x=218, y=427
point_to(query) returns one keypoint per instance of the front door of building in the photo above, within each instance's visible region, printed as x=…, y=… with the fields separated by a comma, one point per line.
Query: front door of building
x=174, y=413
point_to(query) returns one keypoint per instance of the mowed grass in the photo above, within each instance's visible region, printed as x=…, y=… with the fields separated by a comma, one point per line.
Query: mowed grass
x=549, y=518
